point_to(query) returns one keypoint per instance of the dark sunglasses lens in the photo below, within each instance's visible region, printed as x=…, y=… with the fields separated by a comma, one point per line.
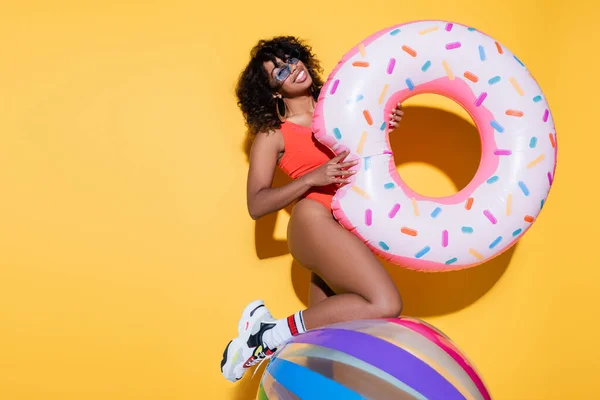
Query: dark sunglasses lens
x=294, y=57
x=282, y=74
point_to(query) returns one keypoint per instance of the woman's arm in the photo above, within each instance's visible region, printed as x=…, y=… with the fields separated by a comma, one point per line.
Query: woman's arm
x=262, y=199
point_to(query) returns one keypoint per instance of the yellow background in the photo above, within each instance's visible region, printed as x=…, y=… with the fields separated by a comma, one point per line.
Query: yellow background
x=126, y=249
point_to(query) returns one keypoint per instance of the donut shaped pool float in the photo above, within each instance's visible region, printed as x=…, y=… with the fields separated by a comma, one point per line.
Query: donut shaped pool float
x=518, y=139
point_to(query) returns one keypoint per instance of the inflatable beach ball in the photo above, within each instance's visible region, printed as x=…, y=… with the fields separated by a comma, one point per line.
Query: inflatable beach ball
x=396, y=358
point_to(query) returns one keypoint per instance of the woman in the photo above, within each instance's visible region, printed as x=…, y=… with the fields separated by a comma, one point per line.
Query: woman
x=277, y=93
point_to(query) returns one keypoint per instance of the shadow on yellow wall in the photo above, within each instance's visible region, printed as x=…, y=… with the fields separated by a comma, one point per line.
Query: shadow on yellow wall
x=457, y=152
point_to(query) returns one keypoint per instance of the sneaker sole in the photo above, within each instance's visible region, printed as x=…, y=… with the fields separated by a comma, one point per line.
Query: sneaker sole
x=227, y=364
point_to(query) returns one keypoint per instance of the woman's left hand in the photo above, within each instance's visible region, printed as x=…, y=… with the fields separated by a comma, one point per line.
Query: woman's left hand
x=395, y=117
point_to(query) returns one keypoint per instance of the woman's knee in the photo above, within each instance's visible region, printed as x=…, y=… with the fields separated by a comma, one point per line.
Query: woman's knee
x=387, y=306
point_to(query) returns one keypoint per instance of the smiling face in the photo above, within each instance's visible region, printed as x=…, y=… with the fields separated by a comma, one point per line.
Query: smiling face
x=291, y=78
x=258, y=90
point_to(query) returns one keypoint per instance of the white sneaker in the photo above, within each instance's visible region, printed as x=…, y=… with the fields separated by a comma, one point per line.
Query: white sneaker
x=247, y=349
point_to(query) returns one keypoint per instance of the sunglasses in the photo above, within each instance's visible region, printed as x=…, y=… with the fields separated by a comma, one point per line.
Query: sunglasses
x=286, y=69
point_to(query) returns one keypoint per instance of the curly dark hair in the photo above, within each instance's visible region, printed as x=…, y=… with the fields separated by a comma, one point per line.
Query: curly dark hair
x=254, y=91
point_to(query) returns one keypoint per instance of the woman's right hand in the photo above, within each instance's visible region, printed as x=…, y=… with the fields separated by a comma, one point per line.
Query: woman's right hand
x=333, y=171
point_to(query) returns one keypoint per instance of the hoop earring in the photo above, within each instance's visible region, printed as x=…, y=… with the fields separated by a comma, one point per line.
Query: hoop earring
x=279, y=103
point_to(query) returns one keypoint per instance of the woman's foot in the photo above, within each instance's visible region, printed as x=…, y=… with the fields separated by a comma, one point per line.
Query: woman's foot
x=248, y=348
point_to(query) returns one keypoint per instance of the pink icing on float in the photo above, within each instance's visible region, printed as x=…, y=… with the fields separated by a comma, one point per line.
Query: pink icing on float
x=510, y=112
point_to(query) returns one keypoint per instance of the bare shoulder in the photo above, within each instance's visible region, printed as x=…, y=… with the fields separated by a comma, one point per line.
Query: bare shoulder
x=268, y=141
x=264, y=156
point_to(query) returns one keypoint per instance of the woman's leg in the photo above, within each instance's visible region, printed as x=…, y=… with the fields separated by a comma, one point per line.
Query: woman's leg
x=363, y=287
x=318, y=290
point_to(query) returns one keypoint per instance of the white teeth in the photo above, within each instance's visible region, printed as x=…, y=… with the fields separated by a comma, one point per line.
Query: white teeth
x=300, y=76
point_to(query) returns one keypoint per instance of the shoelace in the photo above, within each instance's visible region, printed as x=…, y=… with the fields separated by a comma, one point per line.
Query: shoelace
x=262, y=359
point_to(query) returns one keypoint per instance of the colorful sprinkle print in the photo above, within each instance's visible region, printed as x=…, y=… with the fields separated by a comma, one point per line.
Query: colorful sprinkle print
x=515, y=84
x=514, y=113
x=490, y=217
x=367, y=163
x=394, y=210
x=476, y=254
x=471, y=76
x=517, y=232
x=469, y=203
x=391, y=65
x=368, y=117
x=524, y=188
x=410, y=51
x=361, y=143
x=423, y=251
x=415, y=206
x=360, y=192
x=519, y=61
x=449, y=72
x=361, y=49
x=356, y=100
x=383, y=93
x=480, y=99
x=428, y=30
x=535, y=162
x=509, y=109
x=497, y=126
x=408, y=231
x=334, y=86
x=481, y=53
x=495, y=242
x=533, y=142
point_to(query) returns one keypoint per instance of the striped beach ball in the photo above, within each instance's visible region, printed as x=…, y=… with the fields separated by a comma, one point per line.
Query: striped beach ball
x=396, y=358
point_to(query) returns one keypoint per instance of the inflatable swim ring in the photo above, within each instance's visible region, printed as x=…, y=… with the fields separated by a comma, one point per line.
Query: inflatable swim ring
x=512, y=116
